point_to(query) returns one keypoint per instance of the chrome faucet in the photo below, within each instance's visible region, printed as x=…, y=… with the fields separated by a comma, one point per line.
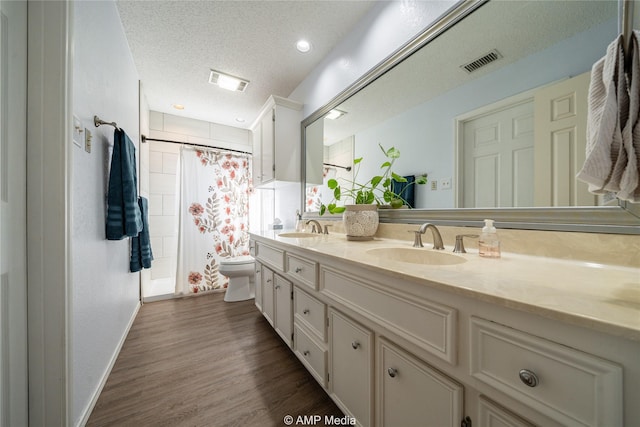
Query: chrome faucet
x=316, y=227
x=437, y=238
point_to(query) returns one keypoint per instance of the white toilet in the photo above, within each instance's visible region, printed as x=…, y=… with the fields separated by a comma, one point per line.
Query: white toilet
x=241, y=273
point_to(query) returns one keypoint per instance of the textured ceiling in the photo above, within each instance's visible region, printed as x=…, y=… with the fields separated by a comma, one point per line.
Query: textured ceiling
x=175, y=44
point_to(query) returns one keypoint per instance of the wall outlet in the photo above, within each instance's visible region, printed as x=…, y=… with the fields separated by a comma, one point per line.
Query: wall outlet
x=445, y=184
x=434, y=185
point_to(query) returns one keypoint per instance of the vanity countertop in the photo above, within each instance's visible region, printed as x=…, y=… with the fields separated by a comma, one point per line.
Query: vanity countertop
x=596, y=296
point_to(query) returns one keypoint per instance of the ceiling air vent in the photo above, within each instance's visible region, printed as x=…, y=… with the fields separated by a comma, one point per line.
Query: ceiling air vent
x=486, y=59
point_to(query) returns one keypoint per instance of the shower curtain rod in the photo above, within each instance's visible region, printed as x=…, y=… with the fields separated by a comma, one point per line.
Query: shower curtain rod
x=145, y=139
x=348, y=168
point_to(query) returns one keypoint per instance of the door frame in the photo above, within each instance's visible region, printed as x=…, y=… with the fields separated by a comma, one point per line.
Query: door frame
x=49, y=136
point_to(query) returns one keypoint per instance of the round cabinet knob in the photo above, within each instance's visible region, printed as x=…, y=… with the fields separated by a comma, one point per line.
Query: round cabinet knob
x=392, y=372
x=306, y=352
x=268, y=280
x=305, y=311
x=528, y=377
x=355, y=345
x=298, y=269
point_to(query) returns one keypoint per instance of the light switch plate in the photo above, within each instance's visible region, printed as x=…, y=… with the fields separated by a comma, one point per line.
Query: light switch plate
x=77, y=131
x=434, y=185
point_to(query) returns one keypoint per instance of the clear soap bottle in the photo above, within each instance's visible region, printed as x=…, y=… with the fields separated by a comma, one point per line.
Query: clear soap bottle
x=489, y=244
x=299, y=223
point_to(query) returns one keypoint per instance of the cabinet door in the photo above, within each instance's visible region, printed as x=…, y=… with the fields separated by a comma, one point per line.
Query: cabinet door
x=411, y=393
x=256, y=163
x=268, y=147
x=258, y=281
x=283, y=308
x=268, y=307
x=351, y=368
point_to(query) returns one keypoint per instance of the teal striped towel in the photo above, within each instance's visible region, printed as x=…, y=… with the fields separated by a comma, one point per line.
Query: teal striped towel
x=141, y=254
x=123, y=212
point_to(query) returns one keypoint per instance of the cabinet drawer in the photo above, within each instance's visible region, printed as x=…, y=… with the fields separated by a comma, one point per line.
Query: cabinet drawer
x=572, y=387
x=491, y=414
x=311, y=312
x=427, y=324
x=270, y=255
x=312, y=355
x=303, y=270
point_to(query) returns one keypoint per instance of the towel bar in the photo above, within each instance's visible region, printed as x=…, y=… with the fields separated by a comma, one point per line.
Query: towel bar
x=98, y=122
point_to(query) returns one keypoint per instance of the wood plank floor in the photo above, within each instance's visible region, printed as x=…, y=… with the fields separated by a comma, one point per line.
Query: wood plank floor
x=203, y=362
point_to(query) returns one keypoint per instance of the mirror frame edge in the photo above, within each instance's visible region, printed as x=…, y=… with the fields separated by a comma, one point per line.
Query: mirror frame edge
x=621, y=219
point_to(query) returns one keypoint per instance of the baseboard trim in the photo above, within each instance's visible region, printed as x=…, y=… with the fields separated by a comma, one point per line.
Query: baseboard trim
x=114, y=357
x=158, y=298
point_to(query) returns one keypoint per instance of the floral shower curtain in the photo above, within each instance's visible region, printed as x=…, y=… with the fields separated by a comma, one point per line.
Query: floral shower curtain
x=213, y=217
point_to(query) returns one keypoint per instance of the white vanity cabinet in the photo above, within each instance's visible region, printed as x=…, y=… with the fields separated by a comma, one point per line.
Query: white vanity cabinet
x=409, y=391
x=396, y=351
x=351, y=367
x=276, y=142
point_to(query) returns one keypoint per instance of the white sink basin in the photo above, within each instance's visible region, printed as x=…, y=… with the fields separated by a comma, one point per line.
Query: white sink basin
x=416, y=256
x=298, y=235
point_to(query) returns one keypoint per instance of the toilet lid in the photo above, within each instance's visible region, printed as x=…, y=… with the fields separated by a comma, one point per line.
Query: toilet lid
x=244, y=259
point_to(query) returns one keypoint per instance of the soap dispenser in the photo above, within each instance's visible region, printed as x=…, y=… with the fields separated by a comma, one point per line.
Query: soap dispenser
x=299, y=223
x=489, y=244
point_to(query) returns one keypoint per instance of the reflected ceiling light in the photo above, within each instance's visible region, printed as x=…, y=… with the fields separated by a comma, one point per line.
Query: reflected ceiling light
x=303, y=46
x=227, y=81
x=239, y=120
x=178, y=106
x=334, y=114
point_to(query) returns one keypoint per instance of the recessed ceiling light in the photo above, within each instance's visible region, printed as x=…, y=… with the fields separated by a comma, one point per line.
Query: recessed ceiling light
x=334, y=114
x=227, y=81
x=239, y=120
x=178, y=106
x=303, y=46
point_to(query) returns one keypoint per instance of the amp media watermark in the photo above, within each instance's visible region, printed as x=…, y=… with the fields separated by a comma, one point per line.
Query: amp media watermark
x=318, y=420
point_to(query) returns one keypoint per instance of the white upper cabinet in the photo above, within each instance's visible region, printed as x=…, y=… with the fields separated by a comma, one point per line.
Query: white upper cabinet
x=276, y=142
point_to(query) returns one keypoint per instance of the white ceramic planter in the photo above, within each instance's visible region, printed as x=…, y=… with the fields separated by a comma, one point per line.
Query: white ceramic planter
x=360, y=221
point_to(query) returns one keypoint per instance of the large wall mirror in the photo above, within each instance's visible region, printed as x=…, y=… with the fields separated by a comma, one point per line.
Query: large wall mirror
x=490, y=103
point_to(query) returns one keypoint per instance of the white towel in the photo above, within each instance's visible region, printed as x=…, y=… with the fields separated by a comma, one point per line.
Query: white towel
x=630, y=179
x=607, y=113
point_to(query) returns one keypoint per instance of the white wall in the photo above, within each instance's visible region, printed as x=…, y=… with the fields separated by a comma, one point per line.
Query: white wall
x=386, y=28
x=104, y=294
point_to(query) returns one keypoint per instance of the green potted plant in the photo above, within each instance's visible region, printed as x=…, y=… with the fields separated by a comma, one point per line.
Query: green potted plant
x=361, y=216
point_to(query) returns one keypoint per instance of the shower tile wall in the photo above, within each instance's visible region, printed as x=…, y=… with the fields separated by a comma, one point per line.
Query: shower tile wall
x=163, y=218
